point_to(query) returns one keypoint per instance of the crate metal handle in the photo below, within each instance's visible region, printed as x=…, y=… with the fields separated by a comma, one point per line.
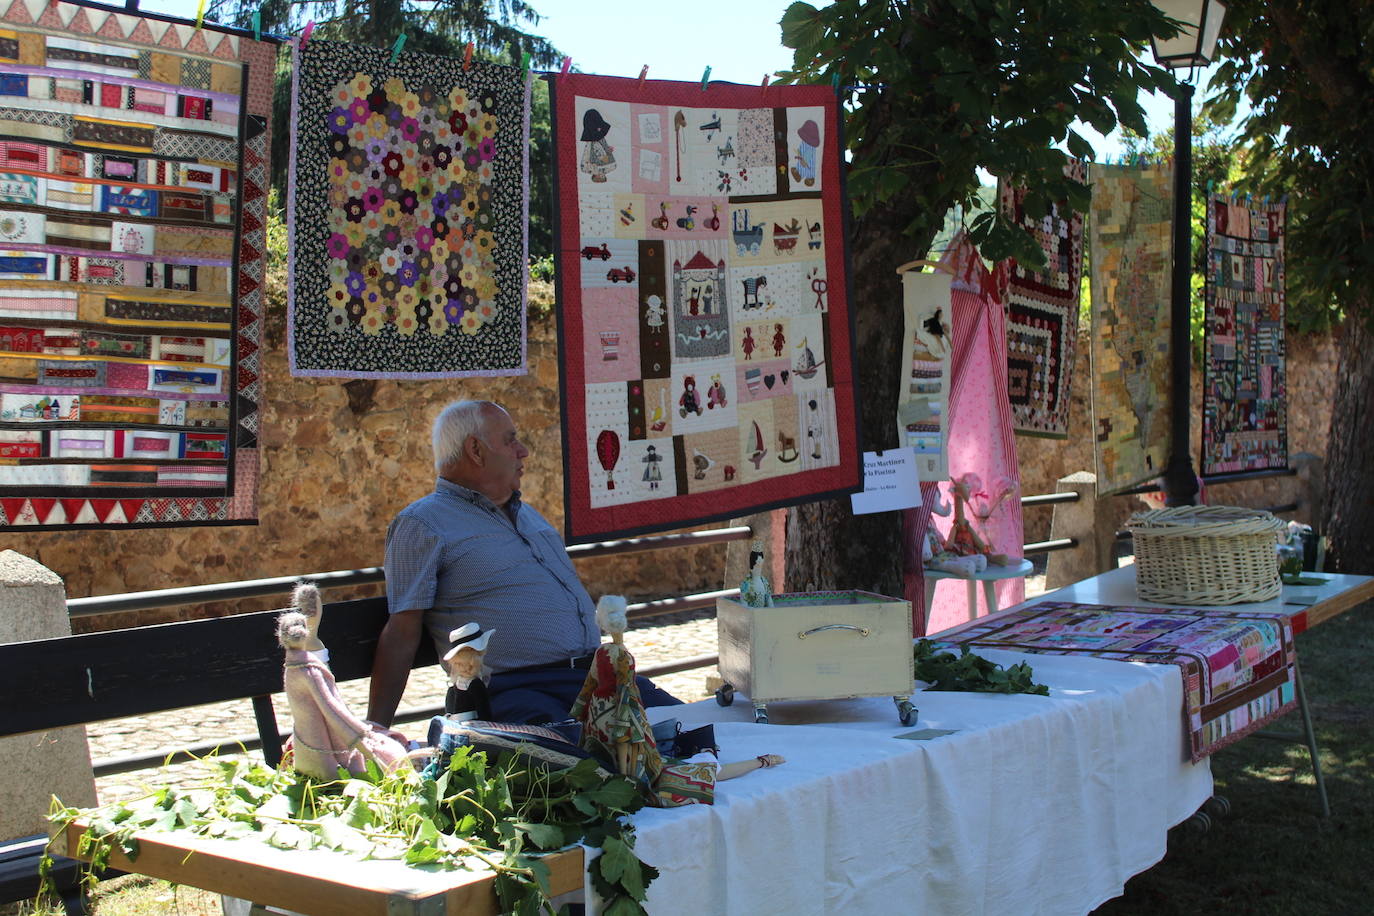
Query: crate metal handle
x=863, y=631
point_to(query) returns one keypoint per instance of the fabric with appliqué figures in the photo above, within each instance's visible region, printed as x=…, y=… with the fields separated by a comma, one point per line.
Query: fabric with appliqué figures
x=134, y=170
x=409, y=207
x=703, y=307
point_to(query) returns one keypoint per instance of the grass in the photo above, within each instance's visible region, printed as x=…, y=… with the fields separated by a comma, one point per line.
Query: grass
x=1273, y=855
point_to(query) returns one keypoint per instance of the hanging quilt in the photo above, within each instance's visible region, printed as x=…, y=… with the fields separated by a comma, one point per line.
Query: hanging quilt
x=1244, y=414
x=923, y=382
x=1042, y=315
x=408, y=205
x=1239, y=667
x=133, y=179
x=1132, y=267
x=706, y=350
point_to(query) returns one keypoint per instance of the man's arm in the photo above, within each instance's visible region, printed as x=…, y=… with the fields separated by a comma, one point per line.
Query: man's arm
x=391, y=665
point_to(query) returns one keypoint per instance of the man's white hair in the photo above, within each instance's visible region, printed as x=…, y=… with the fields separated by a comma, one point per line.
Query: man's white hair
x=452, y=427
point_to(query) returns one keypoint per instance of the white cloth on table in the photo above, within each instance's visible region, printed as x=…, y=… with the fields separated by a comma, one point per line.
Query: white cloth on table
x=1037, y=805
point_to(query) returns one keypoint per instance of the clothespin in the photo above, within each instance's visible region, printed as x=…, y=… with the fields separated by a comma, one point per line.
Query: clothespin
x=643, y=72
x=396, y=48
x=305, y=34
x=525, y=63
x=764, y=87
x=567, y=65
x=705, y=78
x=835, y=81
x=1210, y=183
x=467, y=55
x=200, y=14
x=257, y=25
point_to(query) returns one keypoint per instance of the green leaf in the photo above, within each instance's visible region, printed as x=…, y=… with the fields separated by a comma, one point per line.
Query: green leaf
x=545, y=836
x=801, y=27
x=616, y=858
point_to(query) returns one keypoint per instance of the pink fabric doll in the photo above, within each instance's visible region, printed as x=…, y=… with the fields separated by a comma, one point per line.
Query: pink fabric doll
x=325, y=734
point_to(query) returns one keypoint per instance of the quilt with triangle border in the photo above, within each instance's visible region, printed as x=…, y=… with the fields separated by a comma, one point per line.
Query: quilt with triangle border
x=134, y=168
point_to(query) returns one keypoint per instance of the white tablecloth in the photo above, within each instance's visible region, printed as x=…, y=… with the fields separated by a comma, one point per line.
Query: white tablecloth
x=1036, y=805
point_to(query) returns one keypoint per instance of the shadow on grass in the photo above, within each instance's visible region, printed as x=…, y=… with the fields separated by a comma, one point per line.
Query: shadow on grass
x=1274, y=853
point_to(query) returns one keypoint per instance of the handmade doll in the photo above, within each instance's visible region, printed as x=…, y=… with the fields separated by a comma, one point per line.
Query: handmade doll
x=616, y=728
x=755, y=590
x=467, y=648
x=935, y=555
x=963, y=540
x=325, y=734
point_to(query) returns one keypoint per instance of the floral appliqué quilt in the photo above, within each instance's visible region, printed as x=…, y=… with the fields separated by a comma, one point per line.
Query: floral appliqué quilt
x=409, y=207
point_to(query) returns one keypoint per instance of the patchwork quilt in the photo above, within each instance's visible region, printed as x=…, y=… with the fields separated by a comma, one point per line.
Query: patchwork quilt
x=1239, y=667
x=409, y=206
x=133, y=179
x=1132, y=267
x=1244, y=414
x=1042, y=315
x=703, y=306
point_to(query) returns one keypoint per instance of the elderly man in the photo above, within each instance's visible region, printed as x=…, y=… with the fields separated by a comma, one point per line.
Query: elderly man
x=472, y=551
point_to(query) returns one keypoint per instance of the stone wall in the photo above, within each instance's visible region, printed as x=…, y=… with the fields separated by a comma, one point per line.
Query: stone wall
x=338, y=461
x=1311, y=366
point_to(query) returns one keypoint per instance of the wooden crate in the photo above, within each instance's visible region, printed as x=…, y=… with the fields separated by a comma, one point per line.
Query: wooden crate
x=816, y=646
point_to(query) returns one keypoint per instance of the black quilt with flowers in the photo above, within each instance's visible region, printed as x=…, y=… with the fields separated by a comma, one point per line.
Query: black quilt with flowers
x=408, y=208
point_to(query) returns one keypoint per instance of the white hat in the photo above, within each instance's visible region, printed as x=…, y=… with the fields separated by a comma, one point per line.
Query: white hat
x=468, y=636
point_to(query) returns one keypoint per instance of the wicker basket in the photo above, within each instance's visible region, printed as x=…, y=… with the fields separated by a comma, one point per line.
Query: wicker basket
x=1206, y=555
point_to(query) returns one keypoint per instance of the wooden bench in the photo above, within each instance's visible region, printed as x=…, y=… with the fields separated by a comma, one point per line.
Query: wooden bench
x=76, y=680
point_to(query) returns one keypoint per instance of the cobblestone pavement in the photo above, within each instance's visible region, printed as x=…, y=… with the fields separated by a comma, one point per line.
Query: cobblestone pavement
x=655, y=641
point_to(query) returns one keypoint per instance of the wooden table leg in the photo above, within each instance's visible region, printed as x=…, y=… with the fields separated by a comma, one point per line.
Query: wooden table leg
x=972, y=599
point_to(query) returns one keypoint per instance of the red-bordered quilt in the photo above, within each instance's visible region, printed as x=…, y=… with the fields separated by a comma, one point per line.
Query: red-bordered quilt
x=704, y=314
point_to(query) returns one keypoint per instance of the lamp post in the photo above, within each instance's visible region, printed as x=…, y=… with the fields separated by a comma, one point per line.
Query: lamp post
x=1192, y=47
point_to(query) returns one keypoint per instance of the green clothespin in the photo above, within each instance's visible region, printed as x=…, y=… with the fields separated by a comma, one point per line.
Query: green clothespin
x=396, y=48
x=835, y=81
x=705, y=78
x=257, y=25
x=525, y=64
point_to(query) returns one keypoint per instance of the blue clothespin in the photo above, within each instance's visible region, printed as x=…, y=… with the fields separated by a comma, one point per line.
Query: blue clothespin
x=835, y=81
x=705, y=78
x=396, y=48
x=257, y=25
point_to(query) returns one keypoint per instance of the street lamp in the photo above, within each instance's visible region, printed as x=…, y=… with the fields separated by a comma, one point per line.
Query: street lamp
x=1192, y=47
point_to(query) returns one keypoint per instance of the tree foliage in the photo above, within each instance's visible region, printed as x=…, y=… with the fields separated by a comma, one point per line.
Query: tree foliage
x=941, y=88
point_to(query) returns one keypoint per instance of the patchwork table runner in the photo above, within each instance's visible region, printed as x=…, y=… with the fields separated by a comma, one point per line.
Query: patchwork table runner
x=1239, y=667
x=409, y=206
x=133, y=179
x=1132, y=267
x=1042, y=315
x=703, y=308
x=1244, y=417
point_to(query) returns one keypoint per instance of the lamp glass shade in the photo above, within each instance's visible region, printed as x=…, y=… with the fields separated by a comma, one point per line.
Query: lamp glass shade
x=1192, y=46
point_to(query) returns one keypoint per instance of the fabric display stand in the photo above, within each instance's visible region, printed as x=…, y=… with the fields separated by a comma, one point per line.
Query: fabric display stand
x=981, y=441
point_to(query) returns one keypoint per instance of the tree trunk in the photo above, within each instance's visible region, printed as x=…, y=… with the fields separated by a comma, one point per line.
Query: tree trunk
x=828, y=546
x=1350, y=451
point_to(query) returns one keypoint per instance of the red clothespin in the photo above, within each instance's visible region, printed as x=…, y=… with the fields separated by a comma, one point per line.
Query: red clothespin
x=643, y=72
x=305, y=33
x=764, y=87
x=467, y=55
x=567, y=65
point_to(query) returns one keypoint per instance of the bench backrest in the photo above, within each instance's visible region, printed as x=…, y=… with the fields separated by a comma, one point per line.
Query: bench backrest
x=73, y=680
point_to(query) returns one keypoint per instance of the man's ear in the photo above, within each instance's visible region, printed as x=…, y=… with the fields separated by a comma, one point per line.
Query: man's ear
x=474, y=450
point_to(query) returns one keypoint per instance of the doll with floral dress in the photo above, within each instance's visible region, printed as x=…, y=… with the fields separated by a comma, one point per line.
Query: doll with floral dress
x=963, y=540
